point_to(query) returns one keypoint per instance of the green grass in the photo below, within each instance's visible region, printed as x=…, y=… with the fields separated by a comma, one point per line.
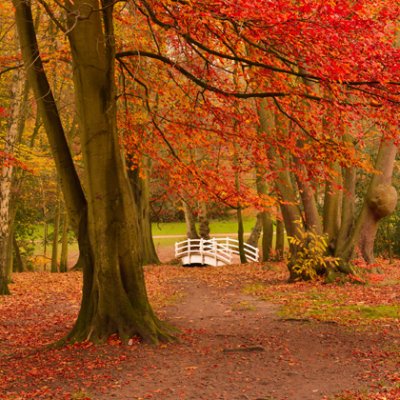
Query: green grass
x=216, y=226
x=323, y=304
x=326, y=310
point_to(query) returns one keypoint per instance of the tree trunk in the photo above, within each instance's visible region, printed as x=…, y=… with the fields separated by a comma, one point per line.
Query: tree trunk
x=268, y=232
x=10, y=255
x=331, y=216
x=290, y=209
x=204, y=223
x=57, y=217
x=242, y=253
x=312, y=219
x=191, y=231
x=239, y=216
x=141, y=192
x=6, y=177
x=348, y=210
x=114, y=295
x=280, y=240
x=267, y=225
x=381, y=200
x=64, y=245
x=18, y=264
x=45, y=241
x=255, y=233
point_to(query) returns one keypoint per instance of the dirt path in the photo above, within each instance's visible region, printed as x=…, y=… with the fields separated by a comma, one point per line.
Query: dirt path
x=236, y=347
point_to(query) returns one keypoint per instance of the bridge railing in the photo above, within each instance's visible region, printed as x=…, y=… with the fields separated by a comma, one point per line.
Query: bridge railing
x=220, y=250
x=252, y=253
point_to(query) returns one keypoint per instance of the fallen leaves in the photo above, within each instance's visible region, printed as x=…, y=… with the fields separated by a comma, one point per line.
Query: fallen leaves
x=43, y=308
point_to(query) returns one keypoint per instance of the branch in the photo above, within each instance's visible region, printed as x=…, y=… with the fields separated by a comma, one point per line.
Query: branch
x=198, y=81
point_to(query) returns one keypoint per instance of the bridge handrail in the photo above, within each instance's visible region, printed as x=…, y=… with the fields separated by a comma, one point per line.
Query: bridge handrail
x=252, y=253
x=200, y=245
x=219, y=248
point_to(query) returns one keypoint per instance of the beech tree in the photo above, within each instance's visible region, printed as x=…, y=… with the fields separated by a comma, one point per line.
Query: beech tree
x=105, y=215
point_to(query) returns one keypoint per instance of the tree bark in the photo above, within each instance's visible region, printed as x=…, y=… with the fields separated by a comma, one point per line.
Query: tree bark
x=242, y=253
x=57, y=217
x=204, y=223
x=191, y=231
x=255, y=233
x=18, y=264
x=331, y=216
x=280, y=240
x=348, y=210
x=379, y=202
x=64, y=245
x=114, y=295
x=264, y=222
x=19, y=90
x=141, y=192
x=312, y=219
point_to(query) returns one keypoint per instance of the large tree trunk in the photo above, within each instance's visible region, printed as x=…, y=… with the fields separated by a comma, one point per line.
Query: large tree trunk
x=290, y=209
x=379, y=202
x=381, y=199
x=114, y=295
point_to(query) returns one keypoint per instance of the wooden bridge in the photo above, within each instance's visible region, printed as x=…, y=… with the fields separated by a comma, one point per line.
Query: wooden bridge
x=215, y=251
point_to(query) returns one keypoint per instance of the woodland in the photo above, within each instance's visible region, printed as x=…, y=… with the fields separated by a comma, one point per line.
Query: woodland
x=116, y=115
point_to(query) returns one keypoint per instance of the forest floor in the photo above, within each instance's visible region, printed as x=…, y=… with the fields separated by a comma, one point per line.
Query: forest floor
x=244, y=334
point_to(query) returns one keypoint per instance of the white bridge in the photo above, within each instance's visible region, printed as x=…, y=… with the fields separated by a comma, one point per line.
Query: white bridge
x=215, y=251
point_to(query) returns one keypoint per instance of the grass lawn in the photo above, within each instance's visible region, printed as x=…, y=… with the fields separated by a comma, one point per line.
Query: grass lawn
x=216, y=226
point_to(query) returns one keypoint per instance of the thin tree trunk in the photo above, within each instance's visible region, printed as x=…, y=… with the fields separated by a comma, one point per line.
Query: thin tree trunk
x=18, y=264
x=191, y=231
x=57, y=217
x=64, y=244
x=279, y=240
x=348, y=210
x=255, y=233
x=312, y=219
x=268, y=232
x=264, y=222
x=331, y=216
x=10, y=255
x=239, y=216
x=242, y=253
x=45, y=241
x=204, y=223
x=141, y=192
